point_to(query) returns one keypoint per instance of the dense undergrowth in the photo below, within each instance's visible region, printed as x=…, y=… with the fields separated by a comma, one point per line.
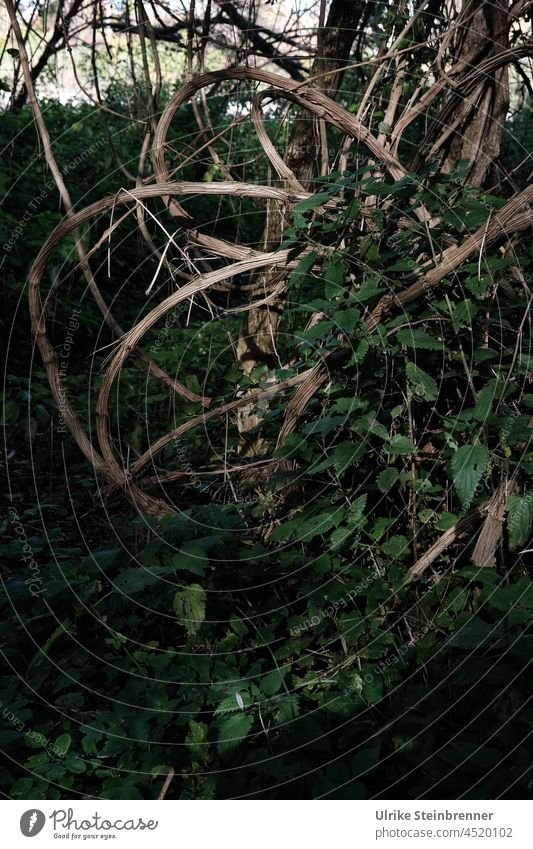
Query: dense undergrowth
x=267, y=640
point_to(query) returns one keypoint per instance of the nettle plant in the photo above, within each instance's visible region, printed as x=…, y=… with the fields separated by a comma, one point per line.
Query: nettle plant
x=427, y=413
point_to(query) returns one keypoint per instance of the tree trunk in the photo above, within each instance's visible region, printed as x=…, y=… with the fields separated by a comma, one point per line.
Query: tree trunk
x=477, y=138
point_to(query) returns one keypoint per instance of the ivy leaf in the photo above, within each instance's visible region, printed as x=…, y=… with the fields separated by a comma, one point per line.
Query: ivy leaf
x=189, y=606
x=421, y=382
x=419, y=339
x=232, y=730
x=519, y=519
x=467, y=466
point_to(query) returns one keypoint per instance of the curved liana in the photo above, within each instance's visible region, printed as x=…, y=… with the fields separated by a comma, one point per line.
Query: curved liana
x=516, y=215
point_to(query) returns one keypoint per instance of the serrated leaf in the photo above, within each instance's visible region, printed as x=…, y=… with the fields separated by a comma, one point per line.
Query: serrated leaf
x=272, y=682
x=519, y=519
x=312, y=202
x=318, y=525
x=478, y=285
x=463, y=314
x=396, y=547
x=446, y=521
x=347, y=319
x=386, y=479
x=231, y=704
x=484, y=401
x=467, y=466
x=232, y=730
x=344, y=455
x=421, y=382
x=360, y=352
x=196, y=741
x=380, y=526
x=63, y=743
x=418, y=339
x=335, y=273
x=191, y=558
x=189, y=606
x=400, y=445
x=289, y=709
x=339, y=536
x=304, y=267
x=356, y=511
x=402, y=265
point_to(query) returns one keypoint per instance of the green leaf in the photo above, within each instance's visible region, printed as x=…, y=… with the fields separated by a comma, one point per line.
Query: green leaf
x=191, y=557
x=272, y=682
x=232, y=730
x=484, y=401
x=386, y=479
x=189, y=606
x=347, y=319
x=402, y=265
x=335, y=273
x=519, y=519
x=419, y=339
x=446, y=521
x=233, y=703
x=325, y=425
x=75, y=764
x=400, y=445
x=318, y=525
x=479, y=285
x=463, y=314
x=397, y=547
x=360, y=352
x=344, y=455
x=312, y=202
x=381, y=525
x=472, y=635
x=63, y=743
x=196, y=741
x=303, y=268
x=356, y=511
x=289, y=709
x=421, y=382
x=466, y=467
